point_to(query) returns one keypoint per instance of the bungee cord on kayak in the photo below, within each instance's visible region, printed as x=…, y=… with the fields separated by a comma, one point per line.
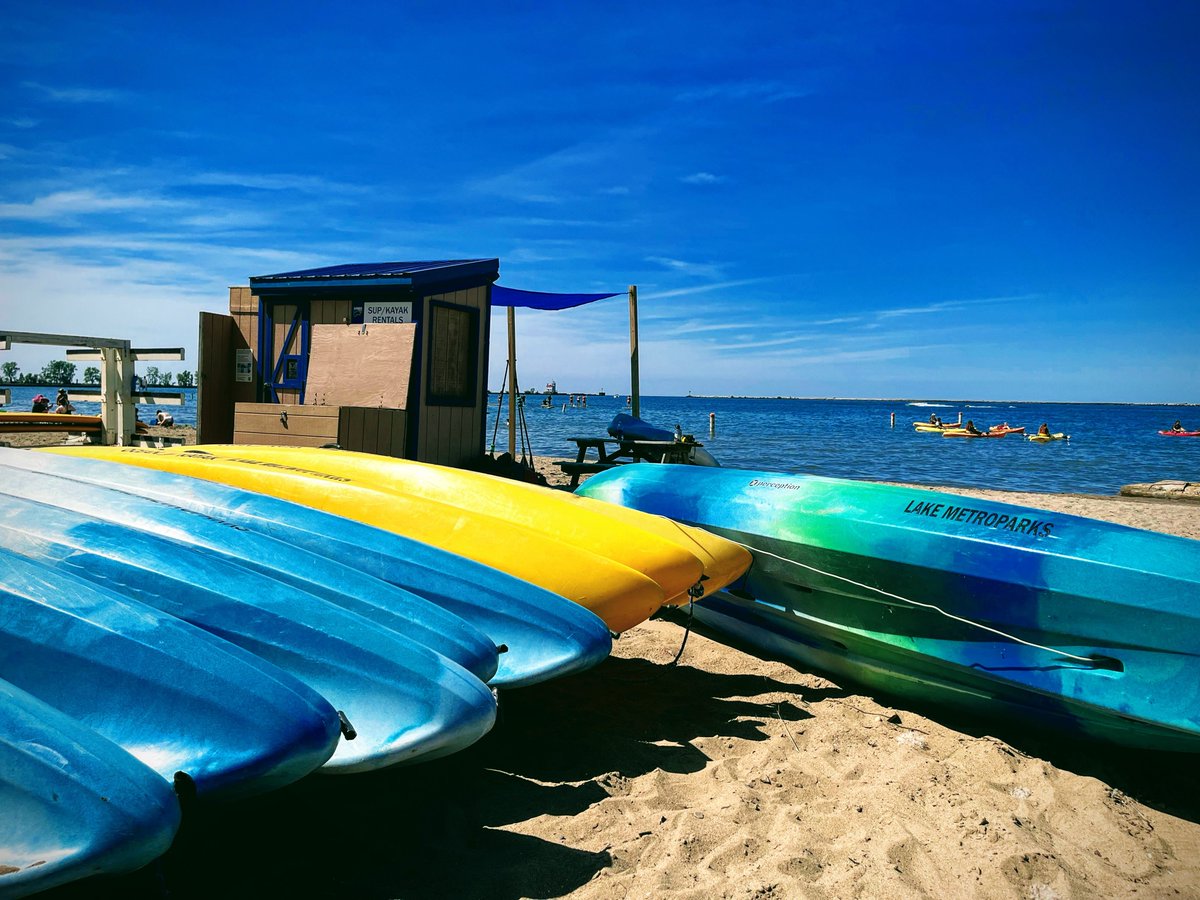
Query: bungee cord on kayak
x=1095, y=662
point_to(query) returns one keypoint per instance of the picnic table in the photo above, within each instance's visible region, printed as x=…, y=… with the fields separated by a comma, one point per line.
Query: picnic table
x=611, y=452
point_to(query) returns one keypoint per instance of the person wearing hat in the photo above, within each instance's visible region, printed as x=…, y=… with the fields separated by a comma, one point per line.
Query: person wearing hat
x=40, y=404
x=63, y=403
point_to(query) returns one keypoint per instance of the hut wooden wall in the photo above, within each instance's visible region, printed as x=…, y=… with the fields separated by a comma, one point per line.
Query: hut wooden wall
x=243, y=307
x=373, y=429
x=214, y=378
x=453, y=435
x=330, y=312
x=364, y=429
x=450, y=435
x=285, y=424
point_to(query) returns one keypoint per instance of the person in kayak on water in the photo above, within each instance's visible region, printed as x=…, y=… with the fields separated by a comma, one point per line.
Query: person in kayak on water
x=935, y=419
x=1177, y=426
x=1044, y=429
x=970, y=427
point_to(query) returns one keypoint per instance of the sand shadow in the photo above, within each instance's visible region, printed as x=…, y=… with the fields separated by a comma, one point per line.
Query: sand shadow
x=434, y=829
x=1165, y=781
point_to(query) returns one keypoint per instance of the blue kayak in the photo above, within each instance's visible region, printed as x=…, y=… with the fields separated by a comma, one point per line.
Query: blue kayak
x=1089, y=627
x=333, y=581
x=190, y=706
x=625, y=427
x=545, y=636
x=74, y=803
x=404, y=701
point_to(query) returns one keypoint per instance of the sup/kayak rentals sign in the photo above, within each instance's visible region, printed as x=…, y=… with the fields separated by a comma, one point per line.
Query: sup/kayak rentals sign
x=392, y=313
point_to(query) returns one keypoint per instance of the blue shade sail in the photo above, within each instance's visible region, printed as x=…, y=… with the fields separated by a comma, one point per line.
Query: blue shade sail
x=504, y=296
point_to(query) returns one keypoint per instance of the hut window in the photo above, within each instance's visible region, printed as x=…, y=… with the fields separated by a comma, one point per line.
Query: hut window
x=453, y=355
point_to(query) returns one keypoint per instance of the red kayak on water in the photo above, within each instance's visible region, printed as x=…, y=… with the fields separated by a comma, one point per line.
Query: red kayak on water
x=1181, y=433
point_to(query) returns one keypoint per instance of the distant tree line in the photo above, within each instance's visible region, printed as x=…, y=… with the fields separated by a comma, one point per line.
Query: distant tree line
x=62, y=372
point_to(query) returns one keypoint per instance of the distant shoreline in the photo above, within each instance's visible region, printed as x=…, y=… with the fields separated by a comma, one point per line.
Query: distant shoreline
x=904, y=400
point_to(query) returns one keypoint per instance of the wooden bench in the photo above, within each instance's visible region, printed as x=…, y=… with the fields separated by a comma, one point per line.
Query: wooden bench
x=33, y=423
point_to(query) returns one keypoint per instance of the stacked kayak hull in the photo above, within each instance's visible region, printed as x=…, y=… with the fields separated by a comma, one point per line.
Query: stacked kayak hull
x=679, y=558
x=617, y=593
x=75, y=804
x=1089, y=626
x=332, y=581
x=404, y=701
x=544, y=635
x=175, y=697
x=497, y=503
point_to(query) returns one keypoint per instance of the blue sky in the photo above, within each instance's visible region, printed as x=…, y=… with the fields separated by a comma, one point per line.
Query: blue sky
x=985, y=200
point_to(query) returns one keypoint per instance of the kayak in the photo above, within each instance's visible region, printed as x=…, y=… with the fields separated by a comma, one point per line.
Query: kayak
x=403, y=701
x=543, y=634
x=963, y=433
x=331, y=581
x=1046, y=438
x=704, y=559
x=1004, y=429
x=620, y=595
x=1181, y=433
x=75, y=804
x=199, y=711
x=1087, y=627
x=554, y=513
x=626, y=427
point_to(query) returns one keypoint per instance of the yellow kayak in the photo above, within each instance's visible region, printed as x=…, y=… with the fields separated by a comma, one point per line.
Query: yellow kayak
x=1045, y=438
x=620, y=595
x=672, y=554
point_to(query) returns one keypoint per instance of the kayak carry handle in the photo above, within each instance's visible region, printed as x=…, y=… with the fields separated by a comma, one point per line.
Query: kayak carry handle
x=348, y=731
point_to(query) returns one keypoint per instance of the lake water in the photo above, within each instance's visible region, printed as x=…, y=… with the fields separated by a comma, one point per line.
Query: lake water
x=1111, y=445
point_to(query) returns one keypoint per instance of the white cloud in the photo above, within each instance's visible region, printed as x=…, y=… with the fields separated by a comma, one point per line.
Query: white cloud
x=948, y=305
x=704, y=270
x=704, y=288
x=77, y=94
x=702, y=178
x=79, y=202
x=280, y=181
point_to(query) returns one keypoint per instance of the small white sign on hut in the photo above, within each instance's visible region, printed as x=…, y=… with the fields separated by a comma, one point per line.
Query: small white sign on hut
x=353, y=367
x=390, y=313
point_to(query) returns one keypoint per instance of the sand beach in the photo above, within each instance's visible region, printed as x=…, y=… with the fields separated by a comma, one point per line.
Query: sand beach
x=721, y=773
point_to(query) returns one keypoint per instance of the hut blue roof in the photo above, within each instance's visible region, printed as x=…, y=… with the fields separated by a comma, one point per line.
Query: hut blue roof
x=383, y=273
x=424, y=273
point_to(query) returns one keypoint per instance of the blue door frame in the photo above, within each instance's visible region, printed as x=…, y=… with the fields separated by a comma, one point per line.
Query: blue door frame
x=283, y=371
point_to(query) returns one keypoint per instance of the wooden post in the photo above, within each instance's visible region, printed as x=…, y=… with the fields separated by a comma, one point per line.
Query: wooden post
x=634, y=390
x=512, y=382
